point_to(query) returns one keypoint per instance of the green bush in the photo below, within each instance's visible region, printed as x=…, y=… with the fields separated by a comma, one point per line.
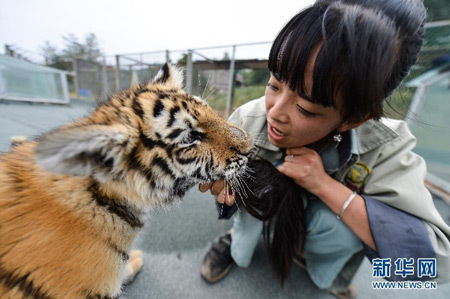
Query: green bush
x=217, y=100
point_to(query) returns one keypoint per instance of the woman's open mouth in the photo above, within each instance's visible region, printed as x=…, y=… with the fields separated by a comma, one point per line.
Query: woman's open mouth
x=275, y=134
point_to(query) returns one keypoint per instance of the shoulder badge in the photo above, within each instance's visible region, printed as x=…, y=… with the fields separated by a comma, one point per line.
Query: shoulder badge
x=357, y=175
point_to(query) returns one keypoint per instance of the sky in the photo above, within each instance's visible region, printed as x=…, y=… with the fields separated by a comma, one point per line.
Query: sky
x=133, y=26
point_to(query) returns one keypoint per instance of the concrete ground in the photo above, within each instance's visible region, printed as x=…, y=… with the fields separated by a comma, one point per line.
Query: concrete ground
x=175, y=240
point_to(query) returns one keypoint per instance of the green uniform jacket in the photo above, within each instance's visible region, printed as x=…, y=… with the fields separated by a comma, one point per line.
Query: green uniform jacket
x=386, y=170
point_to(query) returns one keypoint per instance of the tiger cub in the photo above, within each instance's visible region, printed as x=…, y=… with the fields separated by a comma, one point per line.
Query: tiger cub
x=72, y=201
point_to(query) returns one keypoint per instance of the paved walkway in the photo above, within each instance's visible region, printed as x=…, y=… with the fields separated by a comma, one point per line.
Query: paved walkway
x=175, y=240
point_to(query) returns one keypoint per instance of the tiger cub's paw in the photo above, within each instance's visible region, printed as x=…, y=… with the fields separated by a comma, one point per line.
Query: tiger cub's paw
x=134, y=265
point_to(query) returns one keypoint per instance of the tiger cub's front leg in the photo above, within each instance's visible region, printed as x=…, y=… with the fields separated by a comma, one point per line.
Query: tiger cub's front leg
x=133, y=266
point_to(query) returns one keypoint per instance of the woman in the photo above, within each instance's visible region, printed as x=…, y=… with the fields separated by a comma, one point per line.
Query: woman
x=332, y=66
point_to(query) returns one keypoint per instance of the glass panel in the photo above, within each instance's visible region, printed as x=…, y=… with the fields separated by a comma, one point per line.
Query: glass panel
x=22, y=80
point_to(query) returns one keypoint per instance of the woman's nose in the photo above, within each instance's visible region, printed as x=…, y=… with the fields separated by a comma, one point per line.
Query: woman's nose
x=279, y=110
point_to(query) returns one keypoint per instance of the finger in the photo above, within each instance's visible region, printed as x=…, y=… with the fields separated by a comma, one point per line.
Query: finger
x=297, y=158
x=297, y=168
x=292, y=158
x=230, y=198
x=217, y=187
x=219, y=198
x=204, y=187
x=287, y=170
x=298, y=151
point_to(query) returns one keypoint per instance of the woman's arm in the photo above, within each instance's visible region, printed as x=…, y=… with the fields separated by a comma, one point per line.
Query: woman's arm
x=334, y=194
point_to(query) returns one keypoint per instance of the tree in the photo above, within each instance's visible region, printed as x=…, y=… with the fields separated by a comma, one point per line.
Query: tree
x=73, y=49
x=226, y=56
x=54, y=59
x=256, y=77
x=183, y=59
x=89, y=50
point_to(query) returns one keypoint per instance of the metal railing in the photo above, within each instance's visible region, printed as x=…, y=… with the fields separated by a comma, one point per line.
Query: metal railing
x=216, y=70
x=207, y=61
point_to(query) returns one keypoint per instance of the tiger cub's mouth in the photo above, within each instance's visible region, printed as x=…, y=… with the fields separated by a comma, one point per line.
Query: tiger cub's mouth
x=237, y=174
x=236, y=168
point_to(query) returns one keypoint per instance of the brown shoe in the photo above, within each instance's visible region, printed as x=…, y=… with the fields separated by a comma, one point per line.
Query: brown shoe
x=350, y=293
x=218, y=261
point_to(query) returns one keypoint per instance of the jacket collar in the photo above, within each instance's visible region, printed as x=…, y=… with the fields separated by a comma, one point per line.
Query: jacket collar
x=373, y=134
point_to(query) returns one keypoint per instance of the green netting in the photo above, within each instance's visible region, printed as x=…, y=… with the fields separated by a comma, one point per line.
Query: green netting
x=25, y=81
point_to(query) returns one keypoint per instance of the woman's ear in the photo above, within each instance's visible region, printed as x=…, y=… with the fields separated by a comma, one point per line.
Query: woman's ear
x=346, y=126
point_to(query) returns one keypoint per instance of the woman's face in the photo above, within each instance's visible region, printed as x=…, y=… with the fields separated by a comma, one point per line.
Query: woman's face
x=293, y=121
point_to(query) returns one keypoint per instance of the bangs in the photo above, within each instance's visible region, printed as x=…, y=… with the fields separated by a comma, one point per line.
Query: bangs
x=291, y=51
x=354, y=61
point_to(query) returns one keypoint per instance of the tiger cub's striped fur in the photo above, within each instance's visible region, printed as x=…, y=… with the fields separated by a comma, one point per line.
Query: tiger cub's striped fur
x=72, y=201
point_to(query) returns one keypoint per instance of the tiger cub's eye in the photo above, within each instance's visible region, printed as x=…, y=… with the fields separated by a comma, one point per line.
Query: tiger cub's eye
x=195, y=135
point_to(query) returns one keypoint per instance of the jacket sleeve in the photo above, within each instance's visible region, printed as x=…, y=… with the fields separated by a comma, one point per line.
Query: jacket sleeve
x=397, y=235
x=401, y=209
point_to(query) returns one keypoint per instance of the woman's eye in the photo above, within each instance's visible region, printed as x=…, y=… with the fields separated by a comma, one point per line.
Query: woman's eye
x=305, y=112
x=271, y=86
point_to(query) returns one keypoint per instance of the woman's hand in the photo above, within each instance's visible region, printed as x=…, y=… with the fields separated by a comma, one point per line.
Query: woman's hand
x=218, y=188
x=305, y=167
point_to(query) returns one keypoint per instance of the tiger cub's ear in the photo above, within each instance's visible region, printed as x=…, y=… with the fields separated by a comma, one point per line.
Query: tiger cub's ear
x=169, y=75
x=83, y=151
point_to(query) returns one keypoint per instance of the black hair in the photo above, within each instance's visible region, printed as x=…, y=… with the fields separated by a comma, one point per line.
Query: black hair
x=366, y=49
x=275, y=199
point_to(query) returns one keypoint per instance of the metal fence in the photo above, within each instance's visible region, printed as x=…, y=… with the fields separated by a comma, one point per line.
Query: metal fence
x=212, y=72
x=230, y=75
